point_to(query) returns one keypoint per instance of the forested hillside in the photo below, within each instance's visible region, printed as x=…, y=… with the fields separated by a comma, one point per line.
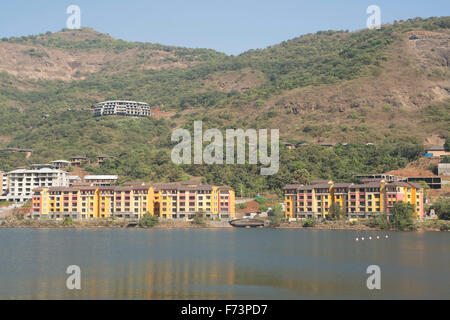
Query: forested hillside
x=389, y=87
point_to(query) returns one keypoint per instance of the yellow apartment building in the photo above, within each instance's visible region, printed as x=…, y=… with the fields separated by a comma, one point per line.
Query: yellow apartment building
x=354, y=200
x=172, y=201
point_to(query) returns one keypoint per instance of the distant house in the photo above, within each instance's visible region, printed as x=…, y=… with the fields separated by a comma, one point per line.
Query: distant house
x=444, y=169
x=289, y=145
x=78, y=160
x=100, y=180
x=74, y=180
x=60, y=164
x=377, y=177
x=326, y=144
x=17, y=150
x=437, y=151
x=102, y=158
x=302, y=144
x=434, y=182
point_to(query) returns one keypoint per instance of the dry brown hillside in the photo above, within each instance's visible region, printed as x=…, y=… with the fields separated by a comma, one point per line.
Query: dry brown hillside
x=415, y=74
x=51, y=56
x=333, y=86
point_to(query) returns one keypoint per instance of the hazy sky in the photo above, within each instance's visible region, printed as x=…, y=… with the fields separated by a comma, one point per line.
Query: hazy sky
x=230, y=26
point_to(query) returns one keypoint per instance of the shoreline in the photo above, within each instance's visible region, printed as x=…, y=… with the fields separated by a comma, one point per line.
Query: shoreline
x=428, y=225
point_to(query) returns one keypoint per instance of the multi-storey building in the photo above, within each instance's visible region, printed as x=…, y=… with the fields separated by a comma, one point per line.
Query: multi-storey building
x=173, y=201
x=340, y=196
x=3, y=184
x=122, y=108
x=352, y=200
x=308, y=201
x=366, y=199
x=408, y=192
x=23, y=181
x=132, y=201
x=186, y=200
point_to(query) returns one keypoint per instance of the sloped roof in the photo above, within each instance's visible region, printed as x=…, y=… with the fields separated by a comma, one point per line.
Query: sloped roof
x=342, y=185
x=292, y=186
x=100, y=177
x=436, y=148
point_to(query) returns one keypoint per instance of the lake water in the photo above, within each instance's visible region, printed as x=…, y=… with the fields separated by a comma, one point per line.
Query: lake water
x=222, y=264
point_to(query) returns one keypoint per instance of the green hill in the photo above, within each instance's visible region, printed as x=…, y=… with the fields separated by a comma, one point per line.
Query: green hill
x=389, y=87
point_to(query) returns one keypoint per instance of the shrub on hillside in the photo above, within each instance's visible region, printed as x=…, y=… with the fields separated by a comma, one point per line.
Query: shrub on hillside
x=442, y=208
x=242, y=206
x=402, y=216
x=198, y=220
x=380, y=222
x=148, y=221
x=309, y=222
x=67, y=222
x=277, y=215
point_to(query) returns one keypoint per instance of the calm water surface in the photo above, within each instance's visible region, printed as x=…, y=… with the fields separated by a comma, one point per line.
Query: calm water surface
x=222, y=264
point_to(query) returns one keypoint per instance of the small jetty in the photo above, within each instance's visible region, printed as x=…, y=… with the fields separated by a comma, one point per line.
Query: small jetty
x=247, y=223
x=132, y=224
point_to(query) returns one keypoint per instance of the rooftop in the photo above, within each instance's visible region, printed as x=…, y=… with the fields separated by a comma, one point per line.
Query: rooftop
x=100, y=177
x=436, y=148
x=41, y=170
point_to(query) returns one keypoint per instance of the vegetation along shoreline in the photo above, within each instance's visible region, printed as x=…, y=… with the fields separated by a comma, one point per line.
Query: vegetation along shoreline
x=363, y=225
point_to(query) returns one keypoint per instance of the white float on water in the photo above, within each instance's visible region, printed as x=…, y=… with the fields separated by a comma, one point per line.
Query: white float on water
x=378, y=237
x=362, y=238
x=356, y=239
x=370, y=238
x=387, y=236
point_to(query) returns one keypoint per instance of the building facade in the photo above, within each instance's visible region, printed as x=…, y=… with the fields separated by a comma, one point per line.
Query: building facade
x=73, y=180
x=3, y=184
x=21, y=182
x=100, y=180
x=122, y=108
x=352, y=200
x=177, y=201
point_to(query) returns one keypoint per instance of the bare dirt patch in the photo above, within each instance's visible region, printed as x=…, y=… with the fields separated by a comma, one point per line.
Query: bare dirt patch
x=241, y=80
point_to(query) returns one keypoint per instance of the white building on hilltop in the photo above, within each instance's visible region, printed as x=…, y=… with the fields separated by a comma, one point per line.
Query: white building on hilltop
x=122, y=108
x=23, y=181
